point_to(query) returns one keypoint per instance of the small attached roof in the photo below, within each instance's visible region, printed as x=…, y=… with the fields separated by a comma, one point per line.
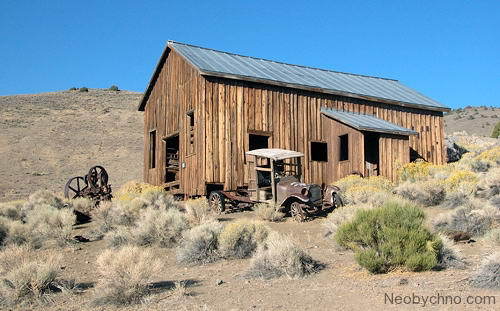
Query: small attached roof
x=365, y=122
x=275, y=154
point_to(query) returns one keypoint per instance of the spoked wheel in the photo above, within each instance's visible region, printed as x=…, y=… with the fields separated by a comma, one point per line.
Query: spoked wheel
x=217, y=202
x=97, y=177
x=74, y=187
x=297, y=212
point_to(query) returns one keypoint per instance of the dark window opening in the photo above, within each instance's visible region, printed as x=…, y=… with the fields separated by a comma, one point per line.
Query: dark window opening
x=190, y=133
x=171, y=158
x=152, y=149
x=257, y=141
x=371, y=141
x=344, y=147
x=319, y=151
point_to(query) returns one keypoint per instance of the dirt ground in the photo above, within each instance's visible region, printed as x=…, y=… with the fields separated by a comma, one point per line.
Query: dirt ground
x=478, y=121
x=342, y=285
x=47, y=138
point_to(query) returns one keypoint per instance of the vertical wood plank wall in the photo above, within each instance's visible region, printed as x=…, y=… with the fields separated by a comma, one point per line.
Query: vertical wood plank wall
x=293, y=118
x=227, y=110
x=178, y=90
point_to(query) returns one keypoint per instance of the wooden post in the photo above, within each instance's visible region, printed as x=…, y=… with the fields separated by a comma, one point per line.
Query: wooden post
x=273, y=185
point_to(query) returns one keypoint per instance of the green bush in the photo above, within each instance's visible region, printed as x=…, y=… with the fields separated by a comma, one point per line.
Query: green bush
x=114, y=88
x=496, y=131
x=73, y=89
x=83, y=89
x=390, y=236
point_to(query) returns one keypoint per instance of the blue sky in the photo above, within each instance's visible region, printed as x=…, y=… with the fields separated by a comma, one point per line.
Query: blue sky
x=448, y=50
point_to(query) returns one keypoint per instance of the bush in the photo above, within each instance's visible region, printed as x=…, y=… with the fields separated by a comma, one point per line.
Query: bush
x=426, y=193
x=268, y=212
x=458, y=178
x=475, y=222
x=413, y=171
x=73, y=89
x=83, y=89
x=126, y=275
x=198, y=211
x=489, y=185
x=158, y=227
x=241, y=238
x=52, y=224
x=22, y=234
x=12, y=209
x=279, y=256
x=365, y=194
x=488, y=274
x=200, y=244
x=340, y=216
x=490, y=155
x=449, y=256
x=494, y=237
x=83, y=205
x=25, y=275
x=390, y=236
x=114, y=88
x=43, y=197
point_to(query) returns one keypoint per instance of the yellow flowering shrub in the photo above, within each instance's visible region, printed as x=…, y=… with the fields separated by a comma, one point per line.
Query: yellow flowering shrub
x=414, y=171
x=460, y=177
x=490, y=155
x=133, y=189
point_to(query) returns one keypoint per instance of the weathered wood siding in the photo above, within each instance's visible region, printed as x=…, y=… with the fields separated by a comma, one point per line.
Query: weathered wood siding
x=394, y=151
x=293, y=119
x=178, y=90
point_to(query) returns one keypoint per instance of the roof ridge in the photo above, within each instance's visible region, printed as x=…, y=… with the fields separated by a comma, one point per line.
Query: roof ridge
x=278, y=62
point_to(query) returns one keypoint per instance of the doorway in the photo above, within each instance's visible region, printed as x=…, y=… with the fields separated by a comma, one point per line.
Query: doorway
x=371, y=153
x=171, y=158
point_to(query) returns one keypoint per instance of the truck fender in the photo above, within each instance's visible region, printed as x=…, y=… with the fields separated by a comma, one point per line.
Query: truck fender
x=295, y=197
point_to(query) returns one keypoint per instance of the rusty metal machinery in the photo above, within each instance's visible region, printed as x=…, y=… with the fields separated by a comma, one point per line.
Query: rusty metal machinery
x=94, y=186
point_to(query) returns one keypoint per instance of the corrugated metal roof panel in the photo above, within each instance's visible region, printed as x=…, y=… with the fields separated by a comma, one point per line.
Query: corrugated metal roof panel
x=212, y=62
x=365, y=122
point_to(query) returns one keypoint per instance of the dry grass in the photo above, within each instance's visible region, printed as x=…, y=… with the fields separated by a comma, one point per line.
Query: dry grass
x=83, y=205
x=279, y=256
x=241, y=238
x=475, y=222
x=268, y=212
x=198, y=211
x=12, y=209
x=51, y=224
x=489, y=186
x=488, y=273
x=26, y=277
x=126, y=275
x=200, y=244
x=449, y=255
x=159, y=227
x=43, y=197
x=494, y=237
x=340, y=216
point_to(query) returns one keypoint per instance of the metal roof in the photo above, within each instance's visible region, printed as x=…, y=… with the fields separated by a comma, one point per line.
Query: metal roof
x=275, y=154
x=365, y=122
x=216, y=63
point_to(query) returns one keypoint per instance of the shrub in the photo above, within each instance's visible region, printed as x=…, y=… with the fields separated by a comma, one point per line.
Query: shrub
x=489, y=185
x=490, y=155
x=480, y=165
x=114, y=88
x=51, y=224
x=134, y=188
x=459, y=177
x=158, y=227
x=414, y=171
x=158, y=198
x=496, y=131
x=459, y=197
x=4, y=230
x=83, y=89
x=43, y=197
x=119, y=236
x=488, y=274
x=22, y=234
x=83, y=205
x=449, y=256
x=494, y=237
x=475, y=222
x=426, y=193
x=12, y=209
x=241, y=238
x=390, y=236
x=269, y=212
x=73, y=89
x=279, y=256
x=365, y=194
x=25, y=275
x=200, y=244
x=126, y=275
x=198, y=211
x=338, y=217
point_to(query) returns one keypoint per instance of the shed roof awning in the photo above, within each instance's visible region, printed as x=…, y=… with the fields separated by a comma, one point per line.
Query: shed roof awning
x=365, y=122
x=275, y=154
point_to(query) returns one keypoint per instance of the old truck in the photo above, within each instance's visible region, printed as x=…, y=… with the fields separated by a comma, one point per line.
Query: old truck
x=275, y=179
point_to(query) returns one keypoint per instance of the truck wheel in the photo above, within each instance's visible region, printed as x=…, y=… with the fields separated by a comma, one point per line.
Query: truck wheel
x=216, y=201
x=337, y=200
x=297, y=212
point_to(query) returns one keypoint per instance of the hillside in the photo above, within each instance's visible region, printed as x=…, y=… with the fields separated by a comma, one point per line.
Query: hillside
x=478, y=121
x=47, y=138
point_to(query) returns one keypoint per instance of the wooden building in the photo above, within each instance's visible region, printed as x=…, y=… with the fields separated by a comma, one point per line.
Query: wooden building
x=203, y=109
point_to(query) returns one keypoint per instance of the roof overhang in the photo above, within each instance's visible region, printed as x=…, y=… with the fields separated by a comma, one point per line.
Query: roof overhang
x=365, y=122
x=275, y=154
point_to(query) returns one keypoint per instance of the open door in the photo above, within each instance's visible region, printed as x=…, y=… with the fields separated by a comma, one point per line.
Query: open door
x=372, y=155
